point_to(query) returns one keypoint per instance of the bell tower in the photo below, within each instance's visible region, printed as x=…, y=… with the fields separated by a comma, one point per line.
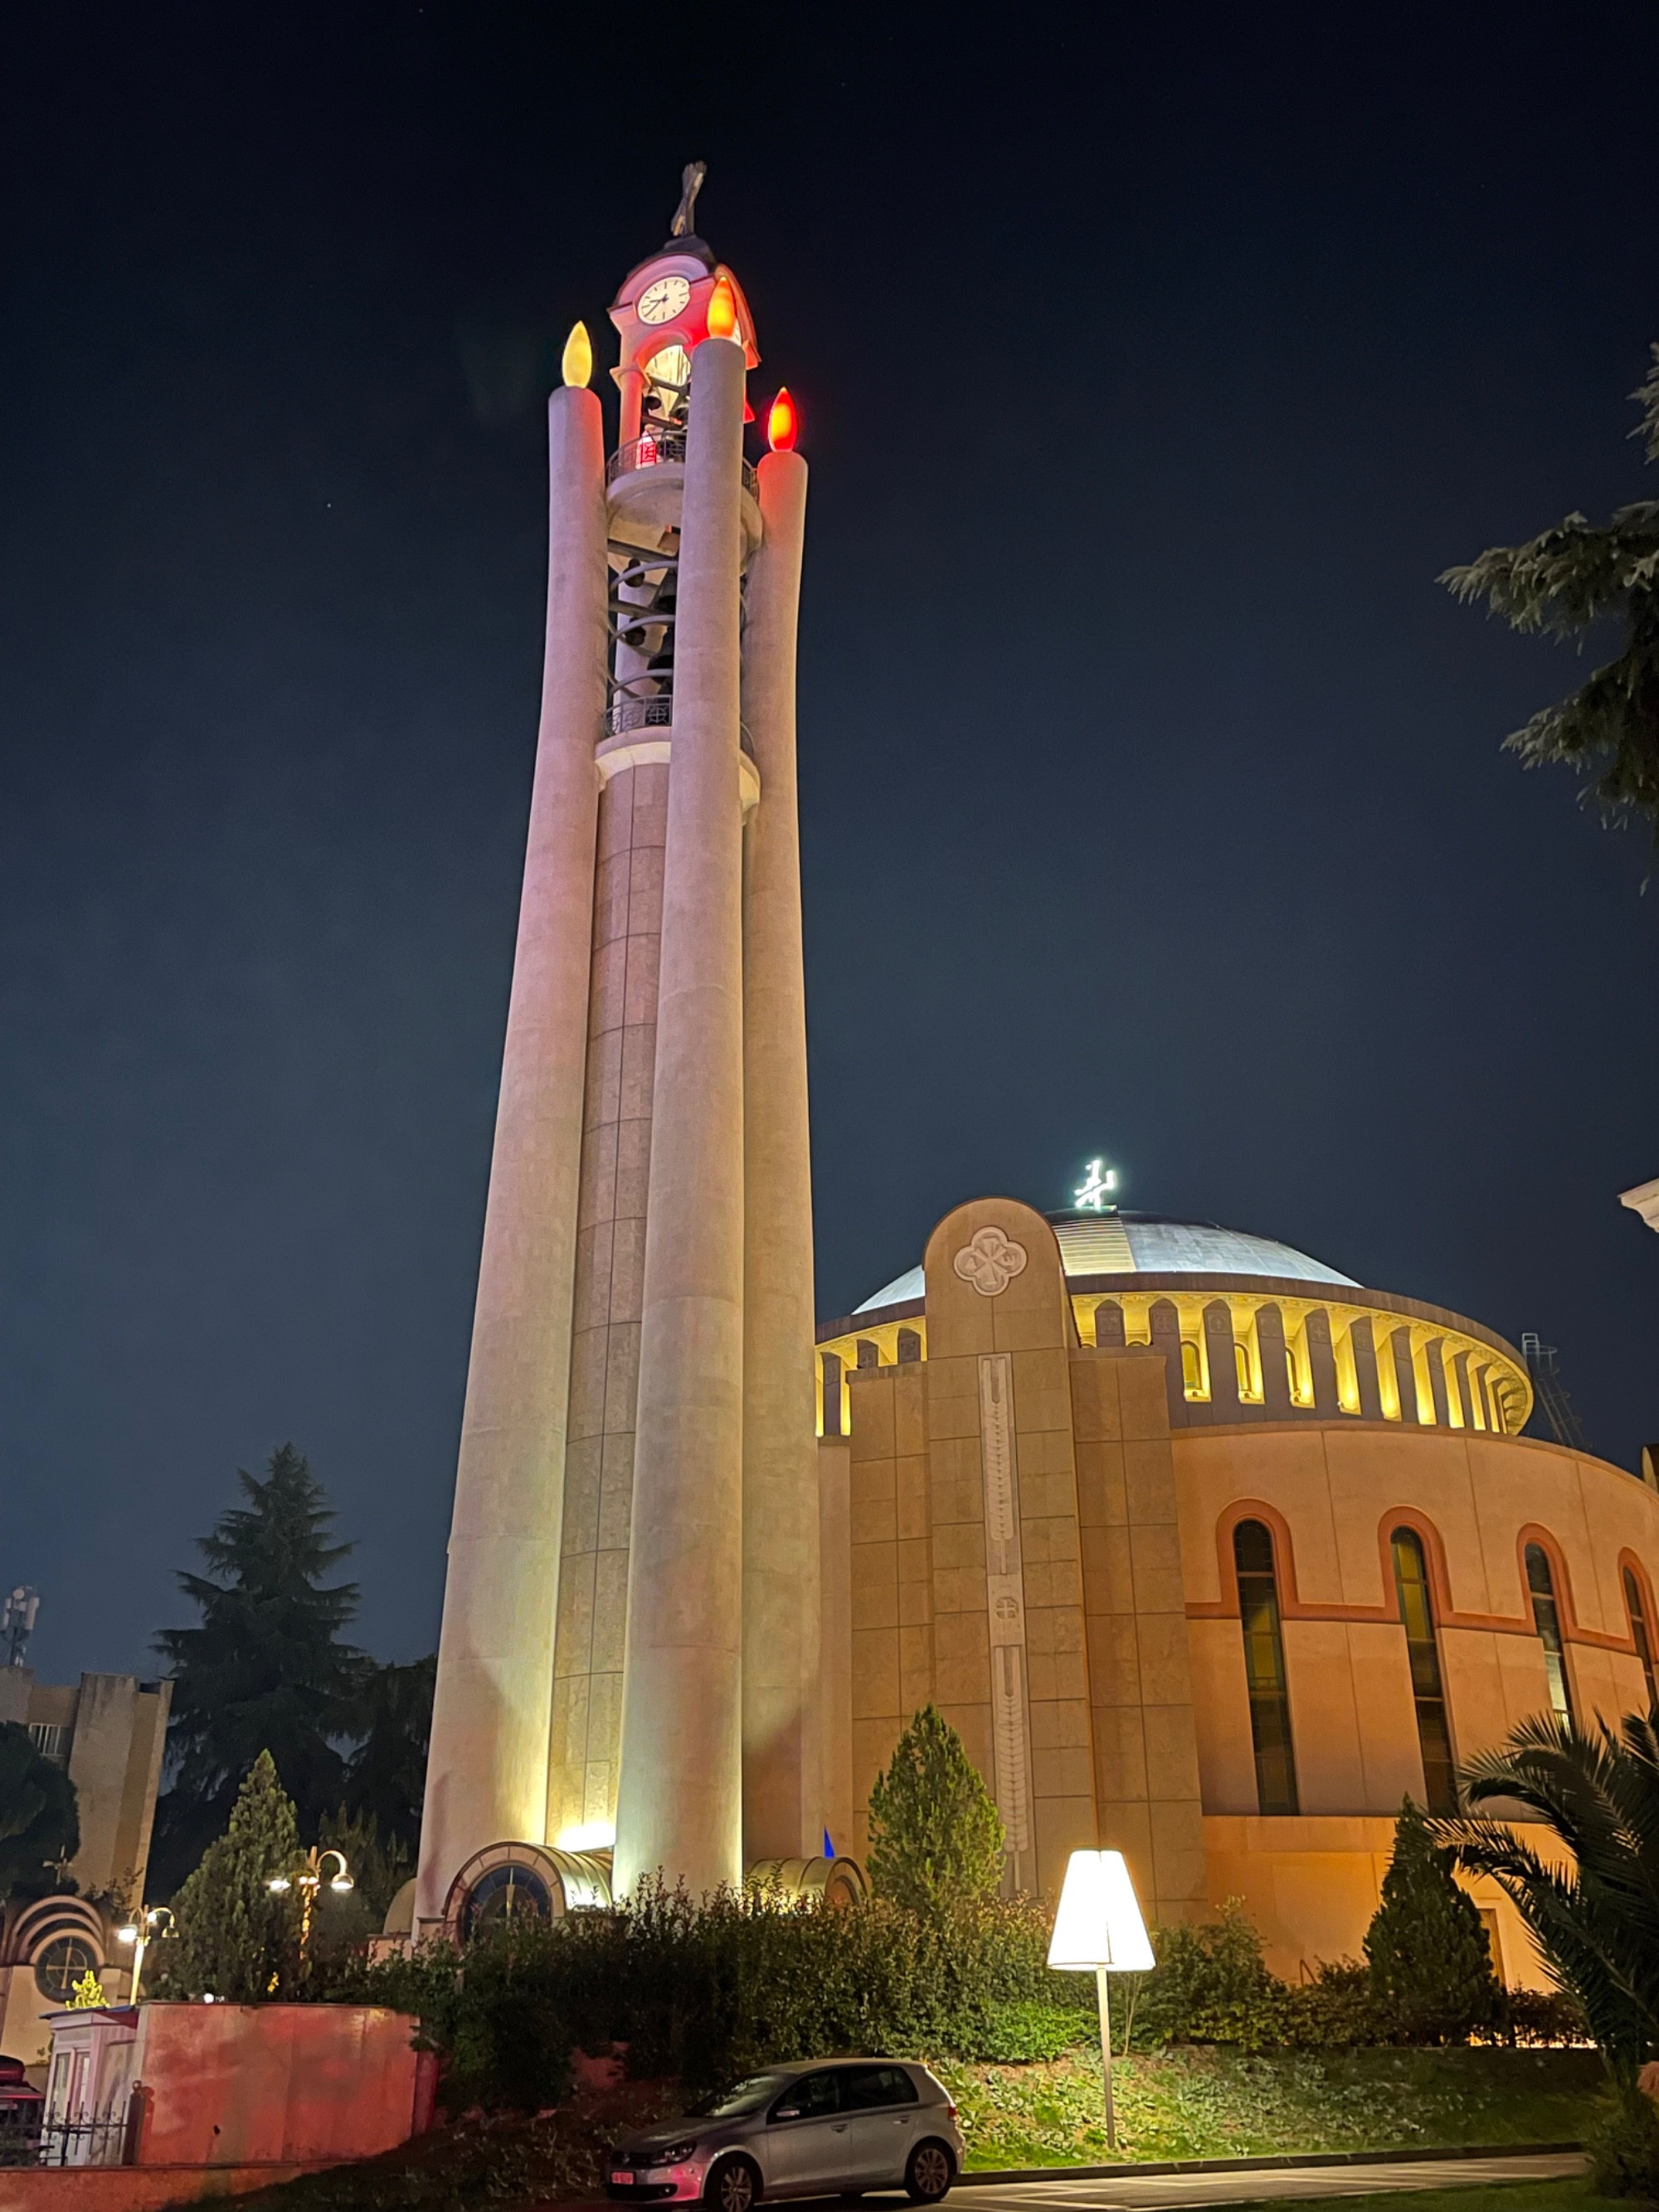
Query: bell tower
x=629, y=1647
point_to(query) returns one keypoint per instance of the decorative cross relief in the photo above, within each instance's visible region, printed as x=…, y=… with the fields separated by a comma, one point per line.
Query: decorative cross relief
x=990, y=1261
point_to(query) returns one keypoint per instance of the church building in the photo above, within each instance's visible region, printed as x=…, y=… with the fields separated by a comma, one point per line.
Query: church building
x=1208, y=1551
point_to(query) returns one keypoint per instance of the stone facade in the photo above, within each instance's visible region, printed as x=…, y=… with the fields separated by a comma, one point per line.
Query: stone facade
x=1035, y=1546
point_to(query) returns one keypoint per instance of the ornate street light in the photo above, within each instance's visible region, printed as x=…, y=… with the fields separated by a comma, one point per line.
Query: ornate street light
x=140, y=1932
x=308, y=1877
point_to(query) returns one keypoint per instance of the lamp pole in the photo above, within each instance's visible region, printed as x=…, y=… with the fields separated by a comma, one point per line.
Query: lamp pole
x=1098, y=1930
x=137, y=1932
x=307, y=1876
x=1105, y=2003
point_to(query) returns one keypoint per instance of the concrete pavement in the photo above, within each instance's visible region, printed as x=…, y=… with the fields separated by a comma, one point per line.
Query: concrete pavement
x=1151, y=2192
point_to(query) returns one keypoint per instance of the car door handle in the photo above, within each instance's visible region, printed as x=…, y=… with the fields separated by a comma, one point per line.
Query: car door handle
x=841, y=2127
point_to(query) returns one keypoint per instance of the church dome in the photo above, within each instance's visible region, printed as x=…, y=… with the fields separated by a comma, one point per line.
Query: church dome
x=1151, y=1244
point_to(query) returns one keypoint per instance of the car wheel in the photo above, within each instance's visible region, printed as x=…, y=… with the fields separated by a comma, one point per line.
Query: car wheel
x=931, y=2170
x=734, y=2185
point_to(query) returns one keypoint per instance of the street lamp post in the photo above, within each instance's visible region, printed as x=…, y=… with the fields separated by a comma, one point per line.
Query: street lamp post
x=139, y=1932
x=308, y=1877
x=1098, y=1929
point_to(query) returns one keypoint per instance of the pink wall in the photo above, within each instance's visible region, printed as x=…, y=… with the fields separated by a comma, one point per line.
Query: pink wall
x=131, y=2188
x=233, y=2085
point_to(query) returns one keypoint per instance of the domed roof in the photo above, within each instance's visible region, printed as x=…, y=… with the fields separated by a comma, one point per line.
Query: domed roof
x=1151, y=1244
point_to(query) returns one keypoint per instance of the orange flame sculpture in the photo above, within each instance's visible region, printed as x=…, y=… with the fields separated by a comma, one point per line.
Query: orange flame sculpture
x=723, y=310
x=783, y=423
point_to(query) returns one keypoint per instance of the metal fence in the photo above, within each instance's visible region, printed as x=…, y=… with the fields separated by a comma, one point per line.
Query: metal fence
x=28, y=2138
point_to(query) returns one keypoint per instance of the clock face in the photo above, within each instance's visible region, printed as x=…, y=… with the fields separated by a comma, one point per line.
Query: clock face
x=661, y=301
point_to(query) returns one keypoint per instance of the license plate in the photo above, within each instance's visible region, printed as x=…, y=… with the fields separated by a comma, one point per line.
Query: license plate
x=621, y=2181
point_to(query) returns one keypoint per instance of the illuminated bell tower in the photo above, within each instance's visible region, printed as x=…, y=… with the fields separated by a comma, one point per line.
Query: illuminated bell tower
x=631, y=1633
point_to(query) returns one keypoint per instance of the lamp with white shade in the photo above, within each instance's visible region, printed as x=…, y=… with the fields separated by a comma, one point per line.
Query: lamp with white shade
x=1098, y=1930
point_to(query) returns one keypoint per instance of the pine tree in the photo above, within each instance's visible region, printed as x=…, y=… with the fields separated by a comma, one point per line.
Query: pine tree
x=936, y=1839
x=236, y=1938
x=386, y=1774
x=39, y=1824
x=1561, y=584
x=1431, y=1964
x=265, y=1669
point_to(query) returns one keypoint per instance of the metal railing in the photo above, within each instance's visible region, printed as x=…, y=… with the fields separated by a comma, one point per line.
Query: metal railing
x=658, y=445
x=655, y=713
x=19, y=2130
x=28, y=2138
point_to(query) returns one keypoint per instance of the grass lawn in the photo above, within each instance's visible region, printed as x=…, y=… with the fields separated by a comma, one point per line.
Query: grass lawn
x=1191, y=2104
x=1219, y=2104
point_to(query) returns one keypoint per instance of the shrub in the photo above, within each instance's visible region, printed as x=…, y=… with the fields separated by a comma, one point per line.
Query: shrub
x=1209, y=1985
x=1624, y=2146
x=1212, y=1985
x=1431, y=1964
x=708, y=1991
x=1538, y=2016
x=936, y=1840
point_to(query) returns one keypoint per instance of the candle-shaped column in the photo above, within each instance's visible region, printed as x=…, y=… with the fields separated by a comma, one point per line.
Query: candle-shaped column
x=679, y=1796
x=487, y=1769
x=783, y=1808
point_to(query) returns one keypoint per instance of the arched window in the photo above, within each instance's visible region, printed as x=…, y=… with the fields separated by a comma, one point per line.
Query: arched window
x=1192, y=1370
x=1639, y=1635
x=1411, y=1582
x=1242, y=1369
x=1540, y=1585
x=1264, y=1667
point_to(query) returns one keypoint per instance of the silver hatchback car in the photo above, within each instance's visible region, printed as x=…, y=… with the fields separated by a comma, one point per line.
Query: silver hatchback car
x=826, y=2127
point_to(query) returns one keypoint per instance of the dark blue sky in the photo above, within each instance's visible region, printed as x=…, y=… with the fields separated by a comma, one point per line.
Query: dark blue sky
x=1151, y=799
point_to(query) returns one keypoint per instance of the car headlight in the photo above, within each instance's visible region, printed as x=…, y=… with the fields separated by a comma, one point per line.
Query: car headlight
x=674, y=2152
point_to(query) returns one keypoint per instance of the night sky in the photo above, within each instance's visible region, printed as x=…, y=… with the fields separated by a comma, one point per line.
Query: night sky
x=1152, y=802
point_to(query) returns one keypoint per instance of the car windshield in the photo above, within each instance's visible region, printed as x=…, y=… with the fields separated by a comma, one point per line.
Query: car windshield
x=745, y=2096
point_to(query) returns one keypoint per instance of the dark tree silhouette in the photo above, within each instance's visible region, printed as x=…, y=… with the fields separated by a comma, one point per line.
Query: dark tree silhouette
x=265, y=1670
x=386, y=1774
x=39, y=1825
x=1562, y=583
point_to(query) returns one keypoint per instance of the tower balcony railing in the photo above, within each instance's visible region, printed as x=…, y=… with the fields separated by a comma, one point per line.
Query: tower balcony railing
x=659, y=446
x=624, y=714
x=656, y=713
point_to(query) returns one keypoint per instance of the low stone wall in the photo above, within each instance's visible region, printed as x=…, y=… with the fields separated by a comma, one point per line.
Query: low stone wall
x=135, y=2188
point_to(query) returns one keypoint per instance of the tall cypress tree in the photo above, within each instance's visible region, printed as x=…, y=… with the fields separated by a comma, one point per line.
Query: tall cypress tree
x=265, y=1670
x=935, y=1835
x=1431, y=1964
x=234, y=1935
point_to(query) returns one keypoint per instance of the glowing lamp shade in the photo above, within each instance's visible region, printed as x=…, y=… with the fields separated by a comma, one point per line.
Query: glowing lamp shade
x=577, y=367
x=1098, y=1924
x=783, y=423
x=723, y=310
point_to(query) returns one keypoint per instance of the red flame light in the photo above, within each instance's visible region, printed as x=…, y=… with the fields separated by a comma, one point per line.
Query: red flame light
x=783, y=423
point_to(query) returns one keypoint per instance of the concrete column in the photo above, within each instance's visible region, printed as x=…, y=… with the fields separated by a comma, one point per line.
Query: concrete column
x=487, y=1771
x=783, y=1809
x=1276, y=1367
x=835, y=1634
x=679, y=1796
x=599, y=1480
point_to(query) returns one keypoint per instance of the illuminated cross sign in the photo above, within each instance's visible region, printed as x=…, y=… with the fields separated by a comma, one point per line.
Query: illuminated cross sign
x=1092, y=1191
